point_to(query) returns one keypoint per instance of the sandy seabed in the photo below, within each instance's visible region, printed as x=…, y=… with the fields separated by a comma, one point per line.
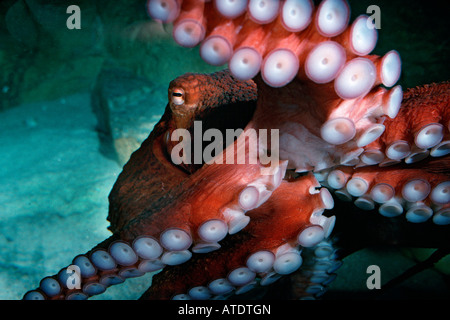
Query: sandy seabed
x=54, y=186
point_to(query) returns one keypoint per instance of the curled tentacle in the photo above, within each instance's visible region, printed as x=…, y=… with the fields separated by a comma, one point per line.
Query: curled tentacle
x=420, y=128
x=257, y=254
x=420, y=190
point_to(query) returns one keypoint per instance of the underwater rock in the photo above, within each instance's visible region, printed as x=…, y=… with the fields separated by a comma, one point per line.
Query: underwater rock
x=53, y=182
x=127, y=108
x=51, y=16
x=20, y=24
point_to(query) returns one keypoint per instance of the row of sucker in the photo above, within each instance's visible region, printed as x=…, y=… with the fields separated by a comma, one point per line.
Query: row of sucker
x=277, y=38
x=314, y=263
x=103, y=268
x=432, y=140
x=420, y=195
x=92, y=274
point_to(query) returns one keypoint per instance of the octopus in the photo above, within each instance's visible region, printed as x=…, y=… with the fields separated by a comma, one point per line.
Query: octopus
x=233, y=192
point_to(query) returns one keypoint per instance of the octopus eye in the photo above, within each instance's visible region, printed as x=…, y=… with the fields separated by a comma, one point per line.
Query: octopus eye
x=177, y=97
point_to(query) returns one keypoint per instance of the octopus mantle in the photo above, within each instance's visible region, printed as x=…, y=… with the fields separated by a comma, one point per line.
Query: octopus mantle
x=304, y=94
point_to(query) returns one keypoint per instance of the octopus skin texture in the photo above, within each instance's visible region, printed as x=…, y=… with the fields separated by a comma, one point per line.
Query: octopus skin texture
x=346, y=133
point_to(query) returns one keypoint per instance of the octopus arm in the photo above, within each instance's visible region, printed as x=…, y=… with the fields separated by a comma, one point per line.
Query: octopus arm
x=265, y=250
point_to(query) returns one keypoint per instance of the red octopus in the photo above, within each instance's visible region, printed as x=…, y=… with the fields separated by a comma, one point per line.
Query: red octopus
x=316, y=117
